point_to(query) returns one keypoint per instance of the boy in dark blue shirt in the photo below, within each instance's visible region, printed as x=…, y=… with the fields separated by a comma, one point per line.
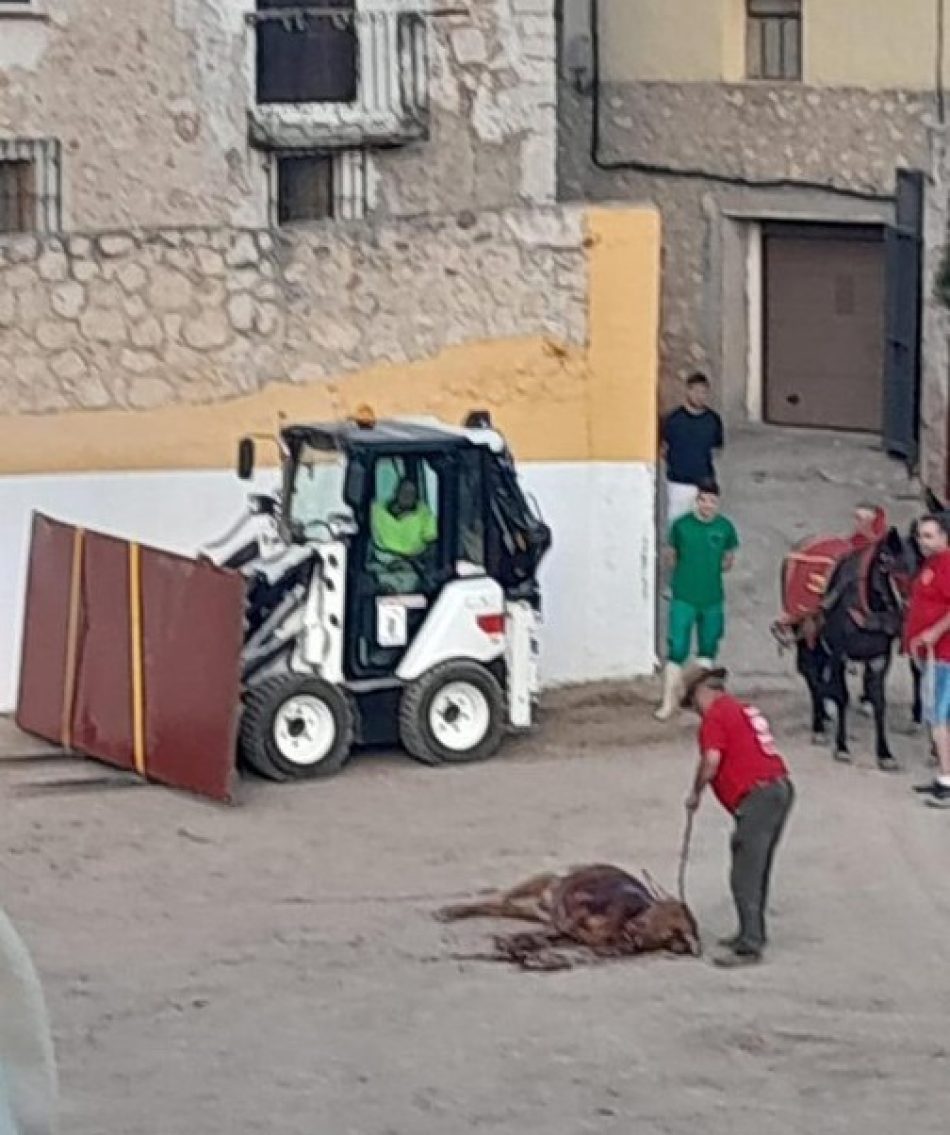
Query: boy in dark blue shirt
x=688, y=437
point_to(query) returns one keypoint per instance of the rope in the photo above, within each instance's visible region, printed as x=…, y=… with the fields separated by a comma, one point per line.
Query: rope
x=684, y=857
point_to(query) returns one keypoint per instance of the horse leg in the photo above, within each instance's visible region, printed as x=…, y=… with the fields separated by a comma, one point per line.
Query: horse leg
x=837, y=692
x=809, y=666
x=876, y=671
x=867, y=695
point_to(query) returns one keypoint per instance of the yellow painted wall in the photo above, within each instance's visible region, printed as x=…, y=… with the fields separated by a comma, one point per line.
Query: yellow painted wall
x=880, y=44
x=671, y=40
x=554, y=401
x=874, y=44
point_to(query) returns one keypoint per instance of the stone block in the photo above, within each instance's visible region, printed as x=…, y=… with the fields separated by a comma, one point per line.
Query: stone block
x=169, y=290
x=68, y=300
x=241, y=312
x=244, y=252
x=52, y=266
x=113, y=245
x=469, y=46
x=148, y=333
x=55, y=334
x=102, y=325
x=148, y=393
x=68, y=365
x=208, y=331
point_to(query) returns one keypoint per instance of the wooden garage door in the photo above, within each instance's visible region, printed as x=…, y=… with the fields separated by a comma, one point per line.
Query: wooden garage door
x=824, y=326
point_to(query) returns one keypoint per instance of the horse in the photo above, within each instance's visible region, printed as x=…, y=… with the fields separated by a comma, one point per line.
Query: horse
x=600, y=910
x=860, y=618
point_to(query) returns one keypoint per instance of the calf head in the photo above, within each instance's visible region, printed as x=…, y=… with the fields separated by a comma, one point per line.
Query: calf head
x=666, y=925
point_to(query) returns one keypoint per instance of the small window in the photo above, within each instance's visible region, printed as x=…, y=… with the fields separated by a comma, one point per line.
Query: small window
x=471, y=509
x=319, y=187
x=304, y=189
x=774, y=40
x=17, y=196
x=30, y=187
x=306, y=51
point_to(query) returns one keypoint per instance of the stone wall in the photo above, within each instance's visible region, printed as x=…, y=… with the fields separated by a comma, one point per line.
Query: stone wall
x=848, y=140
x=149, y=102
x=138, y=320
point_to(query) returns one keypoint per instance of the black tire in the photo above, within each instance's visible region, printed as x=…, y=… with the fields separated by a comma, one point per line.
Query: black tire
x=415, y=712
x=267, y=739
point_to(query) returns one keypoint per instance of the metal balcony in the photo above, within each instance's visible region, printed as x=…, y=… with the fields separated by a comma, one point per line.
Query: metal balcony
x=333, y=78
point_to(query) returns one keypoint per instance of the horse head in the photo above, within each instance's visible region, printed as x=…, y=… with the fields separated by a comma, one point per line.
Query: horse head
x=895, y=562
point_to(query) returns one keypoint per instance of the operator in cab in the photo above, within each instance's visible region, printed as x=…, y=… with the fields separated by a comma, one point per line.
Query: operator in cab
x=403, y=529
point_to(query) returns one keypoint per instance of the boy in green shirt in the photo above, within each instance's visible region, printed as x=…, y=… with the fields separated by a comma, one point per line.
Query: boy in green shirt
x=702, y=545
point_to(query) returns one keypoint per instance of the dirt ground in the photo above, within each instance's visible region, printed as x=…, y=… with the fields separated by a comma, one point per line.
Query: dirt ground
x=275, y=968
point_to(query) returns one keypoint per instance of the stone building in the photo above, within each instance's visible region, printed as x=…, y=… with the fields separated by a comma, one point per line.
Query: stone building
x=218, y=212
x=206, y=112
x=769, y=133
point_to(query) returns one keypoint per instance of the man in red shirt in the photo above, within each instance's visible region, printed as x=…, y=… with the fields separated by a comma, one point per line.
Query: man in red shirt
x=927, y=633
x=739, y=760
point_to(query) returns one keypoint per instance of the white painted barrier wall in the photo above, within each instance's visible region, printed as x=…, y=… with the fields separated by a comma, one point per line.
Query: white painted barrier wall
x=598, y=581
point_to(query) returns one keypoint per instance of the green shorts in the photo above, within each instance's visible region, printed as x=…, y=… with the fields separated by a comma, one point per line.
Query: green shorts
x=710, y=624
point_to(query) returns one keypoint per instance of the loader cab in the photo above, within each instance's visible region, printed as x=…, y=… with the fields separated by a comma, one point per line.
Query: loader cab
x=417, y=506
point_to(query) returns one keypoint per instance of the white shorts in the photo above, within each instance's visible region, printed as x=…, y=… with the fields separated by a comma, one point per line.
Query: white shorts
x=680, y=500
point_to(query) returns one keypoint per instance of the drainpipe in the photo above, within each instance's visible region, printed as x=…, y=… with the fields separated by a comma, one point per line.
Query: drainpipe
x=941, y=19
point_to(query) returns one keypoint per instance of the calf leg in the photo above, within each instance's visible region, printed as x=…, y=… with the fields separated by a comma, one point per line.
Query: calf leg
x=525, y=902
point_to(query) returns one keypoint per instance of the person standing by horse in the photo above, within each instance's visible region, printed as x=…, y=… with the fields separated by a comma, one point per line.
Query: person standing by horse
x=928, y=637
x=689, y=436
x=740, y=761
x=702, y=547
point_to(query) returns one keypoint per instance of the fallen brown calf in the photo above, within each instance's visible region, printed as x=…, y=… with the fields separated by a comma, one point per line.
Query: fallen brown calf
x=596, y=912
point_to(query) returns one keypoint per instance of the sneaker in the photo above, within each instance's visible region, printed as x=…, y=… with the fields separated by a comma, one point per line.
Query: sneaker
x=733, y=959
x=939, y=796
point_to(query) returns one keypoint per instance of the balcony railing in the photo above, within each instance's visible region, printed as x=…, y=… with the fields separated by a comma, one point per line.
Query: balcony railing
x=333, y=78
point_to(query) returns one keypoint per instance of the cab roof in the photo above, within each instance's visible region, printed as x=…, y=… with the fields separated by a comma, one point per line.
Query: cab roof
x=392, y=434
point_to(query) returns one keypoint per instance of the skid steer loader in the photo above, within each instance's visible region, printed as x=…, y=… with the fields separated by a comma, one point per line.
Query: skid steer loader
x=392, y=595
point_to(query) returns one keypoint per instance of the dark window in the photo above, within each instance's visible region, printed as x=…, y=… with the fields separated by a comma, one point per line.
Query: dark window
x=774, y=40
x=17, y=196
x=304, y=188
x=306, y=51
x=471, y=509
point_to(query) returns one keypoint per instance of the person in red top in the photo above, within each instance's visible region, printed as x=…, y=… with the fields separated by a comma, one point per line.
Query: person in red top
x=927, y=634
x=740, y=762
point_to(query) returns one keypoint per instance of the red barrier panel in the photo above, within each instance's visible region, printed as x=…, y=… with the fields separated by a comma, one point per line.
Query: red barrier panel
x=46, y=628
x=102, y=709
x=193, y=634
x=133, y=656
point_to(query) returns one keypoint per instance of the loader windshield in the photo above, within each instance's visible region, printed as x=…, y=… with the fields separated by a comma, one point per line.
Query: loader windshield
x=316, y=491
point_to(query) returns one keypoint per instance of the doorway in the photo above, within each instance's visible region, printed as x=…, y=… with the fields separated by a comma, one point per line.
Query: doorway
x=824, y=319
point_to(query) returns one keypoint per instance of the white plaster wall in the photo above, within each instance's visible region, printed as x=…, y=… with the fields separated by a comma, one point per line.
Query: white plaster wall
x=597, y=581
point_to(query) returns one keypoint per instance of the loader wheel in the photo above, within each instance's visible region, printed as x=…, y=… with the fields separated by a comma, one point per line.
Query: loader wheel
x=295, y=728
x=453, y=714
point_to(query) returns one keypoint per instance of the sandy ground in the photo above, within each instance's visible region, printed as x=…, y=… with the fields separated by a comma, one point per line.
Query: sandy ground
x=274, y=967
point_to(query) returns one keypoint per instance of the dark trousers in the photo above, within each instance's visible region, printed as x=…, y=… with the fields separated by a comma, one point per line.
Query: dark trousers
x=760, y=821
